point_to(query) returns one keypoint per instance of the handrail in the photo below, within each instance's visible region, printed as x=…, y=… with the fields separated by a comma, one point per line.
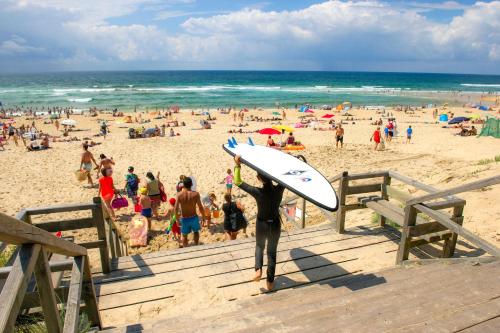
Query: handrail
x=14, y=231
x=455, y=190
x=32, y=259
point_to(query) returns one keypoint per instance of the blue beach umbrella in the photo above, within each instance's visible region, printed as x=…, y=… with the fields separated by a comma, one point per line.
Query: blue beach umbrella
x=458, y=120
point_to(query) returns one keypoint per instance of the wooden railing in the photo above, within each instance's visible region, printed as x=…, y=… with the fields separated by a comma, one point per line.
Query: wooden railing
x=35, y=245
x=416, y=230
x=110, y=242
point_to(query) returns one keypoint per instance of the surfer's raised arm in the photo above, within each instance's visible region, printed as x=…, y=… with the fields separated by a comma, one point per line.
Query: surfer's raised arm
x=252, y=190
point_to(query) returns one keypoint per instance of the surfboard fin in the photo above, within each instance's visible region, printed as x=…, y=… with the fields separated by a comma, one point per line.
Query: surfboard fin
x=234, y=141
x=230, y=143
x=250, y=142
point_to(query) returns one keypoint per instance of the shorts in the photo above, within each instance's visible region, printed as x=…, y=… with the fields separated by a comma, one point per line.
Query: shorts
x=229, y=186
x=190, y=224
x=147, y=212
x=391, y=134
x=408, y=137
x=87, y=166
x=340, y=138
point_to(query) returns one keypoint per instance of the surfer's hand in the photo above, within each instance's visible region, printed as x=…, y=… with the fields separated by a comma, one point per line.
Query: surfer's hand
x=237, y=160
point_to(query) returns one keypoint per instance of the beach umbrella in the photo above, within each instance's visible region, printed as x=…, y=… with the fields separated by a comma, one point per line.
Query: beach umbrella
x=458, y=120
x=283, y=128
x=309, y=111
x=327, y=116
x=275, y=113
x=269, y=131
x=69, y=122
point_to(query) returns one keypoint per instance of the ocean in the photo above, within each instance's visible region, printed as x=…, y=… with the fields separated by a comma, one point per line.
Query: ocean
x=202, y=89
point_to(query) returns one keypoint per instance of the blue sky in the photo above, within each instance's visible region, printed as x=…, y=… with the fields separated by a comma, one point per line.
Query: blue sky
x=373, y=35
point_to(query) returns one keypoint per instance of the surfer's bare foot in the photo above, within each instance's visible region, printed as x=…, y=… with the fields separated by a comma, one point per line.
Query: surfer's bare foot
x=270, y=286
x=258, y=275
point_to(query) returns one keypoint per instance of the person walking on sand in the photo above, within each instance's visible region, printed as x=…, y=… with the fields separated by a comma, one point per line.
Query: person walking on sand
x=234, y=220
x=153, y=185
x=228, y=180
x=145, y=202
x=268, y=225
x=132, y=184
x=339, y=136
x=86, y=163
x=409, y=133
x=376, y=137
x=105, y=163
x=187, y=200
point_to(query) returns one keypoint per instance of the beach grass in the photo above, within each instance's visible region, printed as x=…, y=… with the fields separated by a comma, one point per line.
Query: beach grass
x=485, y=161
x=6, y=254
x=35, y=323
x=376, y=219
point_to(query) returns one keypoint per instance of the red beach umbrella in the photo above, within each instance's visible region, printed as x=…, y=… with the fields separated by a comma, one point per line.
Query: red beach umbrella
x=269, y=131
x=328, y=116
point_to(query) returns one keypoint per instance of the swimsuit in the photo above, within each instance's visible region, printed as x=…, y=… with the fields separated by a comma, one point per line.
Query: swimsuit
x=190, y=224
x=147, y=212
x=87, y=166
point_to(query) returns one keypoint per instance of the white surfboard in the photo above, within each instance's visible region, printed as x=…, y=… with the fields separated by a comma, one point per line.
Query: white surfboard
x=287, y=170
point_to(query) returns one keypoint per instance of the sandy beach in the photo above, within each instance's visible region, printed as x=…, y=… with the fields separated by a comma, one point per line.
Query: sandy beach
x=435, y=156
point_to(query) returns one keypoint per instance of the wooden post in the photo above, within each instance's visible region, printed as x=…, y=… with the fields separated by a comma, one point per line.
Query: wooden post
x=98, y=218
x=385, y=196
x=404, y=245
x=15, y=287
x=88, y=295
x=111, y=242
x=343, y=184
x=116, y=240
x=303, y=213
x=450, y=243
x=46, y=293
x=72, y=317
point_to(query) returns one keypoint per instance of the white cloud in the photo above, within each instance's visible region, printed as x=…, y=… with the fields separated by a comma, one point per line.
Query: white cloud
x=18, y=46
x=329, y=35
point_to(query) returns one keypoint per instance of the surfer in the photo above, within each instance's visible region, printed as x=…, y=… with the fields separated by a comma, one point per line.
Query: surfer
x=268, y=226
x=188, y=200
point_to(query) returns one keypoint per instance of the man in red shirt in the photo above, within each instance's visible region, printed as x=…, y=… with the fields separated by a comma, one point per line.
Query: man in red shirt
x=376, y=136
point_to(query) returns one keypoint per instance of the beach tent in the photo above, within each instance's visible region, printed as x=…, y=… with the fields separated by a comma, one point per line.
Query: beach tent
x=303, y=108
x=491, y=128
x=458, y=120
x=339, y=107
x=443, y=117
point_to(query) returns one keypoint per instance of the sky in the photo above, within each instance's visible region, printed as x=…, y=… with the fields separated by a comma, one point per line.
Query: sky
x=372, y=35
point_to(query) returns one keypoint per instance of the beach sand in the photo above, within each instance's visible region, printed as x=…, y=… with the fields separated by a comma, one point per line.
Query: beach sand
x=435, y=157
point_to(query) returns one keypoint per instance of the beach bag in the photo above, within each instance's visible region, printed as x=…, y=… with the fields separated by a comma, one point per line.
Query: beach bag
x=163, y=195
x=81, y=175
x=237, y=219
x=119, y=202
x=137, y=208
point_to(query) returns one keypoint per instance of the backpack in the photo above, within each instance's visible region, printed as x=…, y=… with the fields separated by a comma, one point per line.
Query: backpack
x=132, y=183
x=237, y=219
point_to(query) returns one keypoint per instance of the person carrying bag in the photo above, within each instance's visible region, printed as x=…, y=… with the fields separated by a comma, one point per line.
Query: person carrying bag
x=234, y=219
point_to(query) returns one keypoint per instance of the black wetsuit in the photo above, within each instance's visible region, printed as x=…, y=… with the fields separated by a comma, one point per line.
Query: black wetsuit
x=268, y=227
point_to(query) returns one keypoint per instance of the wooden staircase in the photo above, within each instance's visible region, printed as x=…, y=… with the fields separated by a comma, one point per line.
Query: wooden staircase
x=442, y=296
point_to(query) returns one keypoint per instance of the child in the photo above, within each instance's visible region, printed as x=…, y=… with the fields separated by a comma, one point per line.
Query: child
x=229, y=181
x=209, y=204
x=145, y=202
x=132, y=184
x=173, y=222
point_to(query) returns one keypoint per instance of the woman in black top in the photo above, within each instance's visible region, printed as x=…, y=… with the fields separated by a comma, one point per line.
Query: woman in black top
x=234, y=219
x=268, y=226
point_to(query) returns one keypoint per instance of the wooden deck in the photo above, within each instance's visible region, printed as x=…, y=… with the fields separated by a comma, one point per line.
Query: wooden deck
x=201, y=279
x=440, y=297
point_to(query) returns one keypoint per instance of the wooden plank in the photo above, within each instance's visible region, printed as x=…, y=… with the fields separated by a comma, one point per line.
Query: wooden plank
x=451, y=225
x=56, y=266
x=72, y=317
x=457, y=189
x=359, y=189
x=89, y=297
x=22, y=215
x=93, y=244
x=425, y=228
x=490, y=325
x=444, y=204
x=64, y=225
x=429, y=238
x=450, y=244
x=32, y=299
x=98, y=217
x=16, y=284
x=410, y=219
x=385, y=211
x=46, y=293
x=59, y=209
x=342, y=193
x=366, y=175
x=16, y=232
